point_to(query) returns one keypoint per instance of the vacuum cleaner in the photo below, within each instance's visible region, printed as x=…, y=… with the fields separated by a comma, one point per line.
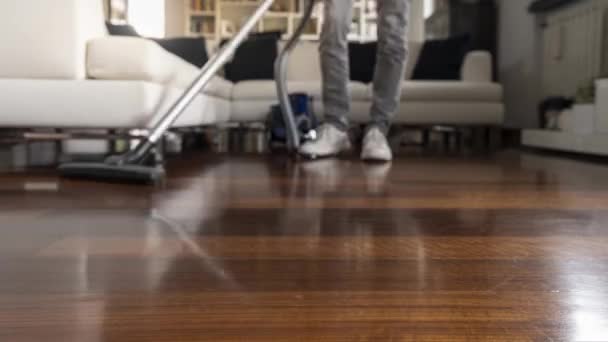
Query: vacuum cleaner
x=143, y=163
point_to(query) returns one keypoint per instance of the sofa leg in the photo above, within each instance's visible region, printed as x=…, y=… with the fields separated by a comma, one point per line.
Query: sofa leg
x=487, y=138
x=28, y=153
x=499, y=138
x=493, y=138
x=478, y=138
x=58, y=148
x=447, y=140
x=113, y=142
x=459, y=136
x=471, y=139
x=426, y=137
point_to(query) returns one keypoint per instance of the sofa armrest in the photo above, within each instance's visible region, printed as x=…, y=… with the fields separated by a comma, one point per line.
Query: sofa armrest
x=477, y=67
x=136, y=59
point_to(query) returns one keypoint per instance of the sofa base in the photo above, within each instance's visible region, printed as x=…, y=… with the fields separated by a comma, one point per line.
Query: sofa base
x=410, y=113
x=96, y=104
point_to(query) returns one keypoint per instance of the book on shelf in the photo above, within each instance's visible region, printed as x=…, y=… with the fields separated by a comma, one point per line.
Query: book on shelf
x=202, y=5
x=204, y=27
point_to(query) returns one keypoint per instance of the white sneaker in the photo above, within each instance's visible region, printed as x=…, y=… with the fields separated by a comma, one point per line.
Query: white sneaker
x=330, y=142
x=375, y=146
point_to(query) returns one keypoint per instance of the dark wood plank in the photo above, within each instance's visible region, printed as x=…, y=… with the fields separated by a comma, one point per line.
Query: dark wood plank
x=260, y=248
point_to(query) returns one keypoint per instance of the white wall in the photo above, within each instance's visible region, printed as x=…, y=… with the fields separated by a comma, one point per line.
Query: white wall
x=416, y=29
x=175, y=18
x=518, y=62
x=148, y=17
x=105, y=8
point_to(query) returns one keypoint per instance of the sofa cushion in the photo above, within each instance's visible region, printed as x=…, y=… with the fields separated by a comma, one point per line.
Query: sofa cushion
x=128, y=58
x=264, y=90
x=450, y=113
x=192, y=50
x=435, y=113
x=477, y=67
x=254, y=59
x=362, y=57
x=306, y=54
x=219, y=87
x=443, y=91
x=442, y=59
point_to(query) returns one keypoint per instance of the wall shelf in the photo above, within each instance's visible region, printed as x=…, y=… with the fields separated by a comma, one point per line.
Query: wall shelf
x=219, y=19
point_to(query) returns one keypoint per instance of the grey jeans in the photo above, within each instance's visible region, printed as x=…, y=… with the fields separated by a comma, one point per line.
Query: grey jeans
x=390, y=63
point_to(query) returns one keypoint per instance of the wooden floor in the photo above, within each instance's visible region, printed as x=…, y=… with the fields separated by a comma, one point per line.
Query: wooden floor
x=254, y=248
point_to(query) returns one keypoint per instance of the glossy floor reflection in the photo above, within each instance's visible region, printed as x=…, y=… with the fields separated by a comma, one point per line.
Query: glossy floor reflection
x=255, y=248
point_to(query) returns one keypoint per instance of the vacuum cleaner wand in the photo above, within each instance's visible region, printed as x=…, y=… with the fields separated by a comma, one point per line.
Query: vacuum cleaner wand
x=130, y=166
x=209, y=70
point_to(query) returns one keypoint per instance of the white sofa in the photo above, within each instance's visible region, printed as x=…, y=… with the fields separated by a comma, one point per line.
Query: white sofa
x=55, y=54
x=472, y=101
x=60, y=70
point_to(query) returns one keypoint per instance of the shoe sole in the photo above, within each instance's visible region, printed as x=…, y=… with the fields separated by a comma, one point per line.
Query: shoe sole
x=327, y=156
x=376, y=160
x=371, y=159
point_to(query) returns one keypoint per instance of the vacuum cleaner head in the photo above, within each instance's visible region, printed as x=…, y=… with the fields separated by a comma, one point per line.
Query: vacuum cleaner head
x=113, y=173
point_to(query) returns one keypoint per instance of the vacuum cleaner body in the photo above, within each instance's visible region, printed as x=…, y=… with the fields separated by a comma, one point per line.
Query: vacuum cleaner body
x=305, y=119
x=133, y=167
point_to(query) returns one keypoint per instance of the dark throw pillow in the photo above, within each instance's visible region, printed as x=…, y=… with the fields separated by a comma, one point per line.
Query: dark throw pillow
x=442, y=59
x=254, y=59
x=362, y=61
x=121, y=30
x=192, y=50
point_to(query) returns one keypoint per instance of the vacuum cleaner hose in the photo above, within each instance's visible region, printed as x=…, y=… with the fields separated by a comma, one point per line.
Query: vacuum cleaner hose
x=281, y=66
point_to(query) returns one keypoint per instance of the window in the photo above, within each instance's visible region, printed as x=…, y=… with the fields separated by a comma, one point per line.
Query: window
x=148, y=17
x=429, y=8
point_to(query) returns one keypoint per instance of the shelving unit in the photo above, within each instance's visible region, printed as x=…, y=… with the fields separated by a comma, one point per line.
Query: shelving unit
x=219, y=19
x=202, y=18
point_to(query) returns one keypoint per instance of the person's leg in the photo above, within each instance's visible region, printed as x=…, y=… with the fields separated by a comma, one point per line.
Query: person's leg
x=334, y=61
x=393, y=16
x=388, y=76
x=332, y=135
